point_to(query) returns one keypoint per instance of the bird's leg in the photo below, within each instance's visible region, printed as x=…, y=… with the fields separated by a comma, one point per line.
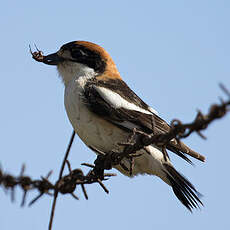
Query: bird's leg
x=129, y=151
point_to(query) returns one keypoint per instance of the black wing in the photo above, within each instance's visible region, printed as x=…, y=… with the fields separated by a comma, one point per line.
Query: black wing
x=128, y=119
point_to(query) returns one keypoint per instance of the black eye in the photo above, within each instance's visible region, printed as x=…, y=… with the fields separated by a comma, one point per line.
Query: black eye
x=78, y=53
x=83, y=55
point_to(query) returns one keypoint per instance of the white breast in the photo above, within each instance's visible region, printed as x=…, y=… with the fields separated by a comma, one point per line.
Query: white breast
x=92, y=129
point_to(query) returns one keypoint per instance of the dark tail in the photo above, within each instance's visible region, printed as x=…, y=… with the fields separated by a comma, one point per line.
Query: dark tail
x=183, y=189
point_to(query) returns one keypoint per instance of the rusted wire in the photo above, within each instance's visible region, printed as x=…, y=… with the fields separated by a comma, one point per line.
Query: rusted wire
x=66, y=185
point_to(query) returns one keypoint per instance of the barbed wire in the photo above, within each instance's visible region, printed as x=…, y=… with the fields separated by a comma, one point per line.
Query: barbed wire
x=66, y=185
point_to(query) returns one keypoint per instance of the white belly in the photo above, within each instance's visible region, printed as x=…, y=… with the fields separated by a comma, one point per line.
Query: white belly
x=101, y=134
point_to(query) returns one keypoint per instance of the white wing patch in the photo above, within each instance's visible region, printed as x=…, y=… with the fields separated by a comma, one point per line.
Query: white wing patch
x=115, y=100
x=153, y=111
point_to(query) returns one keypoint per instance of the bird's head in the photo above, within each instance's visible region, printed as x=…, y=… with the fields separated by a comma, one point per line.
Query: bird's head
x=82, y=59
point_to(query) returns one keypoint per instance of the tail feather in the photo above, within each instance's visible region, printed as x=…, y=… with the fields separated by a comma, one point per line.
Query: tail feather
x=179, y=153
x=180, y=149
x=183, y=189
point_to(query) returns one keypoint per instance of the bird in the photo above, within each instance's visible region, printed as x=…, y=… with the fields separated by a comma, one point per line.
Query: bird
x=104, y=112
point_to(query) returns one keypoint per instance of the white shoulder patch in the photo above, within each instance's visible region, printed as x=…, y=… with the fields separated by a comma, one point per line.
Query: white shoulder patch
x=119, y=102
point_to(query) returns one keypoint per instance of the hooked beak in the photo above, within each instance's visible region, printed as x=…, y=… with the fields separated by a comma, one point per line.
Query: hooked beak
x=53, y=59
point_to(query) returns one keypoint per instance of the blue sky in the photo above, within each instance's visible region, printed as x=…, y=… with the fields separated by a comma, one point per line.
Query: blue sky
x=172, y=53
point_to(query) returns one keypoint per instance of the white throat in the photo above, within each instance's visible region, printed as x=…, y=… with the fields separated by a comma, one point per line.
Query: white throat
x=70, y=70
